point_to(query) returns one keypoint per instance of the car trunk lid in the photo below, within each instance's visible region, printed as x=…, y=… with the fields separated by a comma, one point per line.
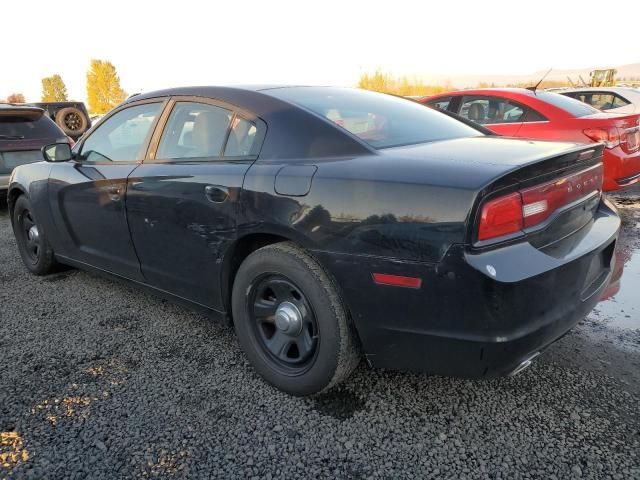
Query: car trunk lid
x=495, y=167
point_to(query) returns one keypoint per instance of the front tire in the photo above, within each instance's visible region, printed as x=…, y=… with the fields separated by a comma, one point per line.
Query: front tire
x=291, y=322
x=33, y=245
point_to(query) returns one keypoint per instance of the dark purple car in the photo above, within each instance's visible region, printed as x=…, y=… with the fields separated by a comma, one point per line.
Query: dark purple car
x=24, y=130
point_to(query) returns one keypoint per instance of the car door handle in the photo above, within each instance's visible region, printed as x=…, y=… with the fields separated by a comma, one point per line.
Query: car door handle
x=216, y=193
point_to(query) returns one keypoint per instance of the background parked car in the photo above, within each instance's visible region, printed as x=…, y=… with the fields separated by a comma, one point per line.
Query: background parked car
x=24, y=130
x=608, y=99
x=72, y=117
x=519, y=112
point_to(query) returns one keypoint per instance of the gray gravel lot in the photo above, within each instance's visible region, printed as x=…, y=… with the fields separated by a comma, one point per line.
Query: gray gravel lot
x=98, y=380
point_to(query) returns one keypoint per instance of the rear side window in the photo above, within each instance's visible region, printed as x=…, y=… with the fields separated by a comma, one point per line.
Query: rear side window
x=569, y=105
x=380, y=120
x=241, y=138
x=491, y=110
x=25, y=127
x=195, y=130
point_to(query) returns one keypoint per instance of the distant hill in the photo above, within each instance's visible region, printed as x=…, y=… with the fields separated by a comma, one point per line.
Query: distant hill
x=461, y=81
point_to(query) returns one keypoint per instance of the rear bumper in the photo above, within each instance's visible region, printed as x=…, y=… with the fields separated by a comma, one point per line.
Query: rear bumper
x=464, y=322
x=621, y=169
x=4, y=182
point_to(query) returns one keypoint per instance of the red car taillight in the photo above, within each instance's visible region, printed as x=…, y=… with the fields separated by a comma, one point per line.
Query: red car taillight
x=531, y=206
x=609, y=136
x=501, y=216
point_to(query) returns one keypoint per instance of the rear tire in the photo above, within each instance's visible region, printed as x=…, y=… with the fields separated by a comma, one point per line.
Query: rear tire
x=33, y=245
x=72, y=121
x=291, y=322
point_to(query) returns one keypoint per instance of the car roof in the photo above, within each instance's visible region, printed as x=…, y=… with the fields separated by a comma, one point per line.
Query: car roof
x=207, y=90
x=486, y=91
x=8, y=109
x=19, y=107
x=601, y=89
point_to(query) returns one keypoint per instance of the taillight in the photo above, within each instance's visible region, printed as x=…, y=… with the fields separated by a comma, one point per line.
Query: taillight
x=609, y=136
x=501, y=216
x=529, y=207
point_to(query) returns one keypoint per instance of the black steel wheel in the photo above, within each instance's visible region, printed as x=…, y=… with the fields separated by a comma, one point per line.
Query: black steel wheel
x=284, y=321
x=34, y=248
x=291, y=321
x=30, y=235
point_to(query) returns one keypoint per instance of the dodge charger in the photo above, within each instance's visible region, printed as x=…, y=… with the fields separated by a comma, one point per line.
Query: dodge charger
x=330, y=225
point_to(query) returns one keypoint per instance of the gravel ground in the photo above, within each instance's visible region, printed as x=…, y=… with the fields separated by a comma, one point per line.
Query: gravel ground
x=98, y=380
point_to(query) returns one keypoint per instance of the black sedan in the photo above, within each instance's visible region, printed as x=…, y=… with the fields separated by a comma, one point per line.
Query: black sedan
x=328, y=224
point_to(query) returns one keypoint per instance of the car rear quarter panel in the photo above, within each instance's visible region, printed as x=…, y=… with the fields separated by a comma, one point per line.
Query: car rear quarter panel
x=368, y=206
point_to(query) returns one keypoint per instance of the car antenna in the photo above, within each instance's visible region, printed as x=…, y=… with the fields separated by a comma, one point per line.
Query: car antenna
x=535, y=87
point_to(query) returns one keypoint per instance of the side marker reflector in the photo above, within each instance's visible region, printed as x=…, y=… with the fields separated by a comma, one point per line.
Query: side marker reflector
x=397, y=280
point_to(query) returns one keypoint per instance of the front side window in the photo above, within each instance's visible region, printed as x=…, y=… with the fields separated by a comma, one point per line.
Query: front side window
x=603, y=101
x=379, y=120
x=195, y=130
x=121, y=137
x=600, y=100
x=441, y=103
x=491, y=110
x=618, y=102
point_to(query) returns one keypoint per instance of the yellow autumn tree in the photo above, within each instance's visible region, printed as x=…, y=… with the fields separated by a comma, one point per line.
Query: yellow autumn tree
x=103, y=87
x=54, y=89
x=404, y=86
x=378, y=82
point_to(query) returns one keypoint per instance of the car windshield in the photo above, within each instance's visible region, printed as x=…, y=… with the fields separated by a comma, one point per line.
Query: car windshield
x=380, y=120
x=569, y=105
x=21, y=126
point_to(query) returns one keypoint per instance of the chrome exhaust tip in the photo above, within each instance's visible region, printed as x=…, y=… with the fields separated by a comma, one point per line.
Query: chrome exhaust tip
x=524, y=365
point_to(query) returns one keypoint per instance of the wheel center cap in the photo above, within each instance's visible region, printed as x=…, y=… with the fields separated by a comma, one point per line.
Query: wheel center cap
x=288, y=318
x=33, y=233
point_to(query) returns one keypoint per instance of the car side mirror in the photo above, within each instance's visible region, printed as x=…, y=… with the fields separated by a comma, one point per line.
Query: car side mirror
x=57, y=152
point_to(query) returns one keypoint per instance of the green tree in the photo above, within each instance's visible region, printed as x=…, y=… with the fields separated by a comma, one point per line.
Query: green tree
x=54, y=89
x=103, y=87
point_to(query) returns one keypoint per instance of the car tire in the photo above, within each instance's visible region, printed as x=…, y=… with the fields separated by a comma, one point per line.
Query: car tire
x=33, y=245
x=306, y=348
x=72, y=121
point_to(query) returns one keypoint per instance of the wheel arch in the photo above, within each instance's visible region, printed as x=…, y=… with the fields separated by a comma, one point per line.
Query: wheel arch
x=12, y=196
x=249, y=243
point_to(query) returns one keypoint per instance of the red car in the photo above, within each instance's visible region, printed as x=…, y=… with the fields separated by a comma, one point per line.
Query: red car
x=519, y=112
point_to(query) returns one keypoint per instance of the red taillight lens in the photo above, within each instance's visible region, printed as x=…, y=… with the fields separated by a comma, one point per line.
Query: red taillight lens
x=532, y=206
x=609, y=136
x=501, y=216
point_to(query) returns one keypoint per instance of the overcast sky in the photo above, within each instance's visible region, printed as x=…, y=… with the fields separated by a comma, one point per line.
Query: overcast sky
x=171, y=43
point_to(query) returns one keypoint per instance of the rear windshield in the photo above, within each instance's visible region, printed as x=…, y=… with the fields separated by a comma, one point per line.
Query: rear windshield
x=380, y=120
x=569, y=105
x=22, y=127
